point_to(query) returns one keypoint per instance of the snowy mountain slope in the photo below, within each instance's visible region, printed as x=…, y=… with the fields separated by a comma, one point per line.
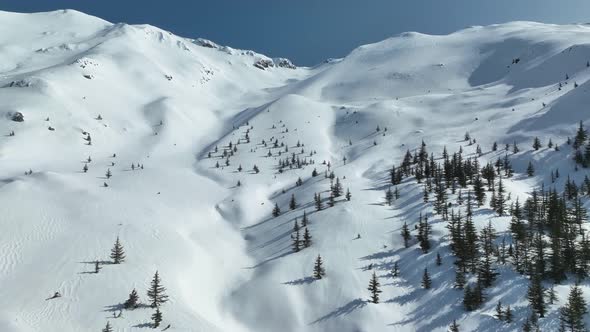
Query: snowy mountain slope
x=174, y=105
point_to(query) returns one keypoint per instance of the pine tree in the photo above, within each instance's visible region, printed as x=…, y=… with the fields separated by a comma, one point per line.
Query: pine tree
x=581, y=136
x=108, y=328
x=499, y=311
x=438, y=259
x=157, y=317
x=551, y=295
x=535, y=294
x=508, y=314
x=306, y=238
x=157, y=293
x=318, y=270
x=374, y=288
x=296, y=237
x=117, y=253
x=537, y=144
x=572, y=313
x=304, y=220
x=133, y=301
x=108, y=174
x=85, y=168
x=500, y=202
x=395, y=270
x=389, y=196
x=406, y=234
x=318, y=202
x=348, y=194
x=530, y=170
x=276, y=211
x=454, y=327
x=292, y=202
x=426, y=281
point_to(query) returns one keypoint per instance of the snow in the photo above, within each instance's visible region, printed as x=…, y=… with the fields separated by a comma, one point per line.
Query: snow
x=167, y=101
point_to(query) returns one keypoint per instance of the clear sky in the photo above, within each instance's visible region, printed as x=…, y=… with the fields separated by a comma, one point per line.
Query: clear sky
x=310, y=31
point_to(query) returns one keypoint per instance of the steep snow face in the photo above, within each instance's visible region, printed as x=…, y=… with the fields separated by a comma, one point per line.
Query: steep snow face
x=178, y=123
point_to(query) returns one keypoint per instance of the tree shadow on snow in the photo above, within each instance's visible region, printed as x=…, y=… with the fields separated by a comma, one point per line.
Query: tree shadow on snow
x=342, y=311
x=301, y=281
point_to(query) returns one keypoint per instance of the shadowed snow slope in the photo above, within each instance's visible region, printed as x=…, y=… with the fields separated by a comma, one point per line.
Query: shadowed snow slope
x=179, y=122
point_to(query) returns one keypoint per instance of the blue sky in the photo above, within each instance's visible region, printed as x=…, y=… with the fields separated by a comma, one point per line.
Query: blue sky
x=309, y=31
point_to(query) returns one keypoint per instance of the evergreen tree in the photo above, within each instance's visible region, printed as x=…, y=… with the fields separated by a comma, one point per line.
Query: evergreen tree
x=406, y=234
x=117, y=253
x=85, y=168
x=438, y=259
x=508, y=314
x=292, y=202
x=535, y=294
x=305, y=220
x=108, y=174
x=389, y=196
x=426, y=281
x=454, y=327
x=499, y=311
x=318, y=269
x=157, y=317
x=500, y=202
x=296, y=237
x=348, y=194
x=306, y=238
x=581, y=136
x=395, y=270
x=133, y=301
x=537, y=144
x=276, y=211
x=374, y=288
x=572, y=313
x=530, y=170
x=318, y=202
x=157, y=293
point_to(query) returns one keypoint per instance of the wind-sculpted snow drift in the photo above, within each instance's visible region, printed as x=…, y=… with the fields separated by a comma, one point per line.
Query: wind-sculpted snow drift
x=181, y=126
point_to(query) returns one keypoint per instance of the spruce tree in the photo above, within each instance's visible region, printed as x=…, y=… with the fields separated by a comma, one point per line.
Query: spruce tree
x=296, y=237
x=438, y=259
x=157, y=293
x=530, y=170
x=374, y=288
x=117, y=253
x=508, y=314
x=348, y=194
x=318, y=202
x=454, y=327
x=406, y=234
x=108, y=173
x=426, y=281
x=276, y=211
x=157, y=317
x=499, y=311
x=537, y=144
x=292, y=202
x=536, y=295
x=395, y=270
x=306, y=238
x=389, y=196
x=133, y=301
x=318, y=270
x=572, y=313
